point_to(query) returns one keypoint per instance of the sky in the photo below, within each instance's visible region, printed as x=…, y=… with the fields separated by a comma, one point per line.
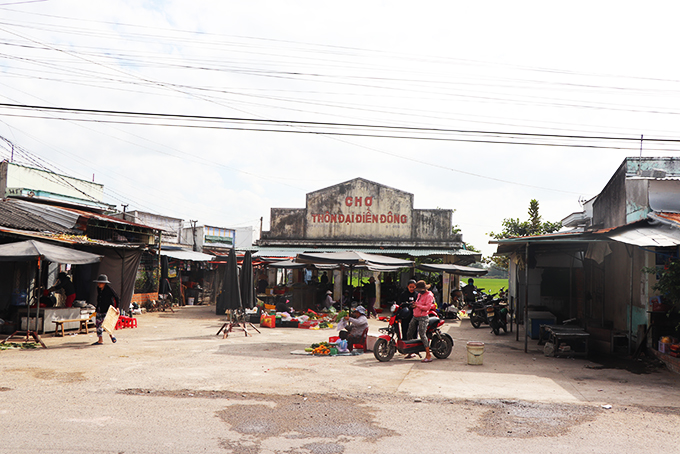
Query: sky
x=480, y=106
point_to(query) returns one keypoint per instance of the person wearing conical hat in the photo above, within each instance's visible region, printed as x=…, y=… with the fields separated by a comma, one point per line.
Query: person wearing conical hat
x=106, y=297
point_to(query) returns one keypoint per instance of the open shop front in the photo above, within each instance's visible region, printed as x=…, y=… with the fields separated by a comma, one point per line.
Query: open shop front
x=302, y=285
x=189, y=276
x=294, y=300
x=30, y=311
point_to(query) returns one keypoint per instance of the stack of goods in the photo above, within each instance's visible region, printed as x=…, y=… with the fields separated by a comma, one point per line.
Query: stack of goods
x=309, y=320
x=670, y=346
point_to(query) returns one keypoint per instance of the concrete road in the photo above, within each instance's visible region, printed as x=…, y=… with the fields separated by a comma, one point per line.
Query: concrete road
x=172, y=386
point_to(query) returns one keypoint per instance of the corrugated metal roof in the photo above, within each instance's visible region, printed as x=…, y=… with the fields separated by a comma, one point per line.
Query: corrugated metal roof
x=21, y=215
x=104, y=217
x=67, y=220
x=65, y=238
x=673, y=217
x=62, y=219
x=649, y=236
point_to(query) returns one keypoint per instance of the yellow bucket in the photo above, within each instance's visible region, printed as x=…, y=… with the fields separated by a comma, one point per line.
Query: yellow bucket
x=475, y=353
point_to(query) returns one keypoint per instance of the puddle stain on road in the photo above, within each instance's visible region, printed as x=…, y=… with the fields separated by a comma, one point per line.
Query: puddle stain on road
x=516, y=419
x=299, y=418
x=313, y=424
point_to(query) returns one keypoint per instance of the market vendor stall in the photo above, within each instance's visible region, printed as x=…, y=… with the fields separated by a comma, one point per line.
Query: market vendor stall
x=38, y=251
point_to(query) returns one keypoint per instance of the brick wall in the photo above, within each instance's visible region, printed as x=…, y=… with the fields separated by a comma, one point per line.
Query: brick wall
x=672, y=363
x=141, y=298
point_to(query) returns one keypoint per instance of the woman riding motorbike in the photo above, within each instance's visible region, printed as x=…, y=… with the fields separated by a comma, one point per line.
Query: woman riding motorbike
x=405, y=301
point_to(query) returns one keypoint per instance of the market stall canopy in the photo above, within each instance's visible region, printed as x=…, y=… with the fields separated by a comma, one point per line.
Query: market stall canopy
x=290, y=264
x=182, y=254
x=32, y=249
x=453, y=269
x=381, y=268
x=287, y=264
x=353, y=259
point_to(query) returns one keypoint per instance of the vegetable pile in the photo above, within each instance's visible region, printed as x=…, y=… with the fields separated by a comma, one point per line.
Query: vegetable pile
x=322, y=349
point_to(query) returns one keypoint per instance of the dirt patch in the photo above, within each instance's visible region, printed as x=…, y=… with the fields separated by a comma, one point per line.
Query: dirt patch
x=515, y=419
x=52, y=375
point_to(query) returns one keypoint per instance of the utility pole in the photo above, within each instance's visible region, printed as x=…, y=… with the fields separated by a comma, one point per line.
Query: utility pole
x=193, y=233
x=124, y=207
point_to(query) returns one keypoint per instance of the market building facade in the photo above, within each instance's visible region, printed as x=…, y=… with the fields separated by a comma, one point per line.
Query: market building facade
x=365, y=216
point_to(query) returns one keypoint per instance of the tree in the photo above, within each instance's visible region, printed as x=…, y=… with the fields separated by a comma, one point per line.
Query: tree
x=470, y=247
x=668, y=286
x=513, y=228
x=455, y=228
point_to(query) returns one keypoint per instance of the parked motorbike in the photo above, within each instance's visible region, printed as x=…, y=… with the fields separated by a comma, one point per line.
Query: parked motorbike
x=390, y=342
x=477, y=311
x=493, y=310
x=497, y=315
x=477, y=308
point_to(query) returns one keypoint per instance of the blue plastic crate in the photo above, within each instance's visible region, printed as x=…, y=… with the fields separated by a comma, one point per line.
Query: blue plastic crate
x=536, y=319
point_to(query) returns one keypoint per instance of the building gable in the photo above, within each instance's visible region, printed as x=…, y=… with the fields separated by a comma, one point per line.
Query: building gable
x=361, y=212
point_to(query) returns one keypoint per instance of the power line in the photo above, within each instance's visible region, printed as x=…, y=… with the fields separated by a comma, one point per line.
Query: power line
x=285, y=123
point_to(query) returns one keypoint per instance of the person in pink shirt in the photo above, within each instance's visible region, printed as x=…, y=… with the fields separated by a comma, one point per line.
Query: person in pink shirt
x=421, y=308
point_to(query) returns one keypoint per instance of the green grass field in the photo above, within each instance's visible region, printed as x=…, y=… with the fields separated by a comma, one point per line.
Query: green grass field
x=489, y=285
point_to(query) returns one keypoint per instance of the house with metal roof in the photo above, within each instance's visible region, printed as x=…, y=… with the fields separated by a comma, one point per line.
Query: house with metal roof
x=120, y=242
x=597, y=272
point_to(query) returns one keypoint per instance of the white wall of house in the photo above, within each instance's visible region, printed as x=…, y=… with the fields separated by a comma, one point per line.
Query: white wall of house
x=14, y=179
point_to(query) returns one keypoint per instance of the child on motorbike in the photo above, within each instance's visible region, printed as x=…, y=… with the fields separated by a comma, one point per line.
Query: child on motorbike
x=421, y=308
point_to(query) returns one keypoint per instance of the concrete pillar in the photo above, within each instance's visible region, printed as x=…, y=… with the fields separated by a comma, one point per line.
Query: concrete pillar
x=337, y=285
x=376, y=276
x=446, y=287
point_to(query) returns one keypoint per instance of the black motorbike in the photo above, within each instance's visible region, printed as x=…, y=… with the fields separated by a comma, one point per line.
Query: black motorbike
x=390, y=342
x=497, y=315
x=477, y=308
x=478, y=314
x=494, y=310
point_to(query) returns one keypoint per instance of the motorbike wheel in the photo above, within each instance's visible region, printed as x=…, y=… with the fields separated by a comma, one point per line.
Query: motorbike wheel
x=496, y=330
x=383, y=350
x=505, y=327
x=475, y=321
x=441, y=347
